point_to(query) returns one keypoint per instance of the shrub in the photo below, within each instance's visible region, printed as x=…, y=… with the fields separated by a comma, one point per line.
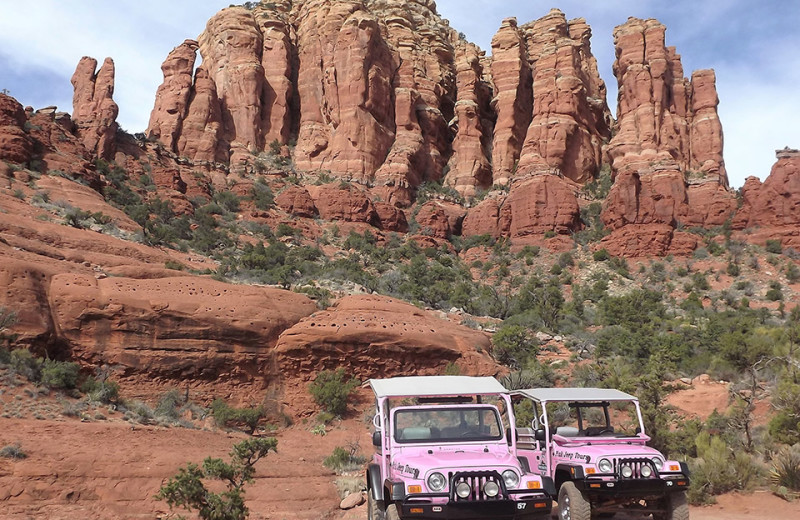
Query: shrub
x=58, y=374
x=719, y=470
x=601, y=255
x=774, y=293
x=13, y=451
x=514, y=345
x=105, y=391
x=25, y=364
x=226, y=416
x=263, y=198
x=169, y=403
x=792, y=272
x=188, y=491
x=774, y=246
x=344, y=459
x=733, y=269
x=785, y=471
x=331, y=390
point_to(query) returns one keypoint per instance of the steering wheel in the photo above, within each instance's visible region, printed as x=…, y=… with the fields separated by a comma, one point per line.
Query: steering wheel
x=595, y=433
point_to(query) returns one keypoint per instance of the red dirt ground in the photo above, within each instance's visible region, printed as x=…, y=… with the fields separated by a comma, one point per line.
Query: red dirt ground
x=106, y=469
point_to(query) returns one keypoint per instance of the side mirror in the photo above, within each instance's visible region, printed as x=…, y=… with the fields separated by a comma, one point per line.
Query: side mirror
x=638, y=430
x=376, y=438
x=539, y=435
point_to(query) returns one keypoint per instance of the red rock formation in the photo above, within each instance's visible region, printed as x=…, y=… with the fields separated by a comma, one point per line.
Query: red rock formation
x=172, y=97
x=295, y=200
x=662, y=117
x=440, y=219
x=231, y=48
x=94, y=111
x=347, y=203
x=648, y=240
x=513, y=101
x=534, y=206
x=469, y=167
x=570, y=115
x=200, y=130
x=376, y=336
x=15, y=144
x=776, y=202
x=277, y=59
x=391, y=217
x=183, y=326
x=424, y=93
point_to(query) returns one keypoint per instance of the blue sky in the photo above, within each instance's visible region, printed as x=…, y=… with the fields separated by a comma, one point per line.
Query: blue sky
x=752, y=45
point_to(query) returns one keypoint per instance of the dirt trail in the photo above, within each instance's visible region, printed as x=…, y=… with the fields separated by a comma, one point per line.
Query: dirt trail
x=111, y=470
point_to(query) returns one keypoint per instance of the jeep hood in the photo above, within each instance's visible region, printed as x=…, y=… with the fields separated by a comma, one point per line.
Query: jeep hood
x=455, y=459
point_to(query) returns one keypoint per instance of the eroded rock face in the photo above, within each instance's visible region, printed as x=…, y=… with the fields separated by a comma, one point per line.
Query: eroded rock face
x=94, y=111
x=776, y=201
x=533, y=207
x=662, y=117
x=469, y=165
x=15, y=144
x=377, y=336
x=570, y=116
x=182, y=326
x=172, y=97
x=200, y=130
x=513, y=98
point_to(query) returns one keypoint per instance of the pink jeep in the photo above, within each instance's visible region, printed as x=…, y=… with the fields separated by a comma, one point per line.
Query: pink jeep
x=444, y=452
x=591, y=442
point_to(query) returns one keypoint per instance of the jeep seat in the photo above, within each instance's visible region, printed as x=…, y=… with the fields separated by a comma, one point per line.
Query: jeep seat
x=415, y=433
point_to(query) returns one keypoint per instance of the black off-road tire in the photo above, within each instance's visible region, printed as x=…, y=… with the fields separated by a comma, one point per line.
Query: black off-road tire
x=391, y=512
x=374, y=509
x=676, y=507
x=572, y=504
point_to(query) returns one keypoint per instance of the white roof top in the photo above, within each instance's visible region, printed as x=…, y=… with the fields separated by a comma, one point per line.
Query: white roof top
x=575, y=394
x=435, y=386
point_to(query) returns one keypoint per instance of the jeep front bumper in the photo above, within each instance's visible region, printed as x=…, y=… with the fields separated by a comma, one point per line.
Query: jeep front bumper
x=633, y=487
x=525, y=509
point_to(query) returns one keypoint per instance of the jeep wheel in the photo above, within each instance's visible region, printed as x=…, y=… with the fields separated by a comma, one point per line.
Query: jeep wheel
x=374, y=511
x=572, y=505
x=391, y=513
x=675, y=507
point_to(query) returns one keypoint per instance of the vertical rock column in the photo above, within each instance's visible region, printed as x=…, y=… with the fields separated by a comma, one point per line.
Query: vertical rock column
x=469, y=166
x=513, y=98
x=344, y=84
x=570, y=121
x=231, y=48
x=94, y=110
x=172, y=96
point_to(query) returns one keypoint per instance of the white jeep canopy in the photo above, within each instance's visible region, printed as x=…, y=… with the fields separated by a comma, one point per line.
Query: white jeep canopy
x=436, y=386
x=575, y=394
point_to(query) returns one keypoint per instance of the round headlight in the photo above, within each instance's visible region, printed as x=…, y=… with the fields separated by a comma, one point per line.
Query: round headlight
x=659, y=463
x=436, y=482
x=491, y=488
x=627, y=471
x=646, y=471
x=511, y=479
x=463, y=490
x=605, y=466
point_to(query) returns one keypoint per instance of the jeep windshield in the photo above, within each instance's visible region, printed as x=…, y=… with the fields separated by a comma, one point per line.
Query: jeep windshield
x=601, y=419
x=447, y=424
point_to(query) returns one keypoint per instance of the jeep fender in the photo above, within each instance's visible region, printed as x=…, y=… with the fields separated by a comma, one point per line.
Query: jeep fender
x=567, y=472
x=549, y=486
x=375, y=482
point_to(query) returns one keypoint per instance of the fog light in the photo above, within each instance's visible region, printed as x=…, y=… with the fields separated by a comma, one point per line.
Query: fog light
x=491, y=489
x=463, y=489
x=627, y=471
x=646, y=471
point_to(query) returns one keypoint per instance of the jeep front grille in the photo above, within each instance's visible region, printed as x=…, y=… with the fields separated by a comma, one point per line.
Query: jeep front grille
x=476, y=480
x=636, y=466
